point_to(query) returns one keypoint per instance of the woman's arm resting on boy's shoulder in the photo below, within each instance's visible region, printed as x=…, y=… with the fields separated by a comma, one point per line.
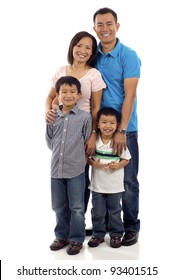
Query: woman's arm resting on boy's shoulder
x=49, y=106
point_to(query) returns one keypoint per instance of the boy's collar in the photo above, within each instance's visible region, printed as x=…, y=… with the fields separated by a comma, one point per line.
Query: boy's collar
x=101, y=144
x=75, y=110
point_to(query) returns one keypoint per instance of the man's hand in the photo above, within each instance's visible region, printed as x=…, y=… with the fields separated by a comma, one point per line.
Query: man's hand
x=119, y=143
x=50, y=116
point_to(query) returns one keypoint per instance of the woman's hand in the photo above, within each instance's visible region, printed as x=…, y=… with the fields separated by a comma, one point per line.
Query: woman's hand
x=90, y=145
x=50, y=116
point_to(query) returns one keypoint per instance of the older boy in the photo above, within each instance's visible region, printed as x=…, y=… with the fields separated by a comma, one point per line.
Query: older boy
x=66, y=137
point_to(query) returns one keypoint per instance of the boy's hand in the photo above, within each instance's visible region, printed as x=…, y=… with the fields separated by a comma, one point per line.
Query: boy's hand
x=113, y=165
x=99, y=165
x=50, y=116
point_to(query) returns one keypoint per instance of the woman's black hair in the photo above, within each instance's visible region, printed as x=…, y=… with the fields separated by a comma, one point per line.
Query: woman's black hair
x=92, y=60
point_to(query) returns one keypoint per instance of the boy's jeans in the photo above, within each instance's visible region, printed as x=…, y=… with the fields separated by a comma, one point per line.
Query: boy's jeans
x=101, y=204
x=68, y=204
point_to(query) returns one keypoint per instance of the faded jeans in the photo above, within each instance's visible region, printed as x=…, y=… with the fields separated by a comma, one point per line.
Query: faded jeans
x=68, y=204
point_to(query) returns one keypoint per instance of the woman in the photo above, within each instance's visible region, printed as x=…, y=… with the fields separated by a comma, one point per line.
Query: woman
x=81, y=58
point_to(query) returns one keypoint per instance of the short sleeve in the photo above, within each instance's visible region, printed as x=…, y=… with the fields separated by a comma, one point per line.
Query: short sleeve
x=97, y=81
x=126, y=154
x=132, y=65
x=58, y=74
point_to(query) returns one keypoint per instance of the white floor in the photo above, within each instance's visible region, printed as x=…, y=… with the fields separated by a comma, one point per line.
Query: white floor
x=29, y=232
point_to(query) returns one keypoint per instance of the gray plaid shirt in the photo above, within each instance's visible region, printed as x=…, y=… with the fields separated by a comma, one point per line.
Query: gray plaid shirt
x=66, y=138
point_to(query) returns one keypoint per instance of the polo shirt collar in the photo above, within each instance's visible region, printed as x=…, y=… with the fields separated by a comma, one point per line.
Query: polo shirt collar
x=100, y=144
x=114, y=52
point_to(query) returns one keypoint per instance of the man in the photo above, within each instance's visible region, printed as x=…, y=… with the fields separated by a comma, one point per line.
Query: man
x=120, y=69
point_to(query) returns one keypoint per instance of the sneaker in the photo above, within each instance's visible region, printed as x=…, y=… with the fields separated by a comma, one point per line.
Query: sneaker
x=130, y=238
x=58, y=244
x=115, y=242
x=95, y=241
x=74, y=248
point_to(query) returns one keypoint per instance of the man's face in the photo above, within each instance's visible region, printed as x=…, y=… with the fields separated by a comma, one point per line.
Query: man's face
x=106, y=28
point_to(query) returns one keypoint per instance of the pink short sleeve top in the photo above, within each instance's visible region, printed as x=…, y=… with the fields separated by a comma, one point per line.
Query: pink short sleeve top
x=91, y=82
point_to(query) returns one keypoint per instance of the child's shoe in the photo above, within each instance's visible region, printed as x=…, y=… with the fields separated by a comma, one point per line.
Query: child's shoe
x=74, y=248
x=95, y=241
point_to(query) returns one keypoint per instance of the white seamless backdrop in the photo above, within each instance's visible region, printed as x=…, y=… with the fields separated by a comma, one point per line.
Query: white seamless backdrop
x=34, y=40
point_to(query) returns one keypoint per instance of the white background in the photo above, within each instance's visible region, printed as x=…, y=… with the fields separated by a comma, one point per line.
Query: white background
x=34, y=41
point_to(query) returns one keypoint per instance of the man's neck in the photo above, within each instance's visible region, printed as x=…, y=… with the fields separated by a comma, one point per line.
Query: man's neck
x=106, y=48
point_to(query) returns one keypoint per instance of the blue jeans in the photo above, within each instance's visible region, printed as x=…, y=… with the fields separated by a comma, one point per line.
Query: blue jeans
x=101, y=204
x=87, y=190
x=130, y=199
x=68, y=203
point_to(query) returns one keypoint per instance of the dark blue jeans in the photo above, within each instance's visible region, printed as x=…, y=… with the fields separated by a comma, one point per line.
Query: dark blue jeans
x=87, y=190
x=130, y=198
x=68, y=204
x=103, y=204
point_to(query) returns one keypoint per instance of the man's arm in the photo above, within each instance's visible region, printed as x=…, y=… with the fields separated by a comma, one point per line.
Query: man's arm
x=130, y=86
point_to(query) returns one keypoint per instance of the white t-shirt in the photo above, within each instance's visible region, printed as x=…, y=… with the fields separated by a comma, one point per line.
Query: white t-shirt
x=107, y=181
x=91, y=82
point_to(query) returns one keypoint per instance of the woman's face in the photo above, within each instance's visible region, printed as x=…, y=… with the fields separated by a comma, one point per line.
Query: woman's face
x=83, y=50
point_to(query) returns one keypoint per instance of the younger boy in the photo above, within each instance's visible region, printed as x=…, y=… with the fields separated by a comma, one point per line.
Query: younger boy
x=107, y=181
x=66, y=138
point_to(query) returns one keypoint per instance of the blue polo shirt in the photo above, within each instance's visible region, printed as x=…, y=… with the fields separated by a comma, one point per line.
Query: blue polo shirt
x=115, y=66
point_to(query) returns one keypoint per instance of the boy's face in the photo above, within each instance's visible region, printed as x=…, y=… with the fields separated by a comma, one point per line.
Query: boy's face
x=68, y=96
x=107, y=125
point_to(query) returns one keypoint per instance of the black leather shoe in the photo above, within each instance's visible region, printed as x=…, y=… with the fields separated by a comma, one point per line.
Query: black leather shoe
x=130, y=238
